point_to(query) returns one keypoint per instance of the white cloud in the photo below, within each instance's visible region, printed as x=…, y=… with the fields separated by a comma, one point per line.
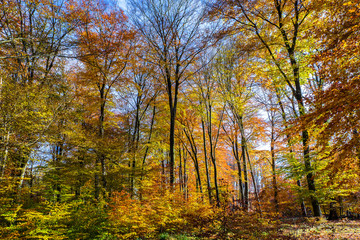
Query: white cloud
x=122, y=4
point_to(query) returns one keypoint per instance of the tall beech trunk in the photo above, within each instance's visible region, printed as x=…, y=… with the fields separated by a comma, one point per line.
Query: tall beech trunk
x=100, y=168
x=194, y=156
x=57, y=157
x=5, y=156
x=173, y=99
x=289, y=41
x=147, y=147
x=170, y=30
x=273, y=168
x=254, y=182
x=181, y=185
x=135, y=145
x=22, y=165
x=246, y=182
x=302, y=203
x=288, y=139
x=80, y=176
x=299, y=98
x=244, y=156
x=212, y=153
x=309, y=176
x=213, y=140
x=208, y=181
x=185, y=177
x=235, y=150
x=172, y=146
x=238, y=163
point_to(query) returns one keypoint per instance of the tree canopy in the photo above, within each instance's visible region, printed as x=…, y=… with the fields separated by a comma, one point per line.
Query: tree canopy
x=208, y=118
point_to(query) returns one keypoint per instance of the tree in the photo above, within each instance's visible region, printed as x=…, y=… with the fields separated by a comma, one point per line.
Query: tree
x=139, y=97
x=335, y=107
x=212, y=117
x=334, y=112
x=104, y=47
x=174, y=33
x=235, y=88
x=279, y=22
x=34, y=35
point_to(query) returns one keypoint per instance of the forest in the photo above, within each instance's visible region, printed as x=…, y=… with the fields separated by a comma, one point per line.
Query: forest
x=179, y=119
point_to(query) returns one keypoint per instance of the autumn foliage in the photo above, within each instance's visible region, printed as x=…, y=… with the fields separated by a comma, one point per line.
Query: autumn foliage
x=177, y=119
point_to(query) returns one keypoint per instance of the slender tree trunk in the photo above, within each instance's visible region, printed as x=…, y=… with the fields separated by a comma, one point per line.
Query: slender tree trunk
x=194, y=156
x=100, y=160
x=172, y=97
x=254, y=181
x=309, y=176
x=212, y=154
x=147, y=147
x=283, y=114
x=246, y=183
x=244, y=157
x=23, y=172
x=6, y=154
x=58, y=154
x=31, y=183
x=208, y=181
x=241, y=189
x=171, y=146
x=333, y=214
x=305, y=134
x=302, y=204
x=24, y=158
x=216, y=183
x=197, y=169
x=79, y=181
x=238, y=162
x=134, y=147
x=273, y=167
x=185, y=177
x=180, y=170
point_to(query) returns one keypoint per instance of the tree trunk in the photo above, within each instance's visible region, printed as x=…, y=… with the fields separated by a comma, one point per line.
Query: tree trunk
x=100, y=160
x=185, y=177
x=333, y=215
x=254, y=181
x=237, y=158
x=6, y=154
x=208, y=181
x=309, y=176
x=283, y=115
x=194, y=156
x=171, y=146
x=273, y=167
x=147, y=147
x=246, y=184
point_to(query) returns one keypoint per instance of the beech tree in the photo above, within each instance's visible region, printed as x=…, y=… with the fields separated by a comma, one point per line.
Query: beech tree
x=334, y=107
x=144, y=128
x=336, y=104
x=277, y=22
x=175, y=36
x=233, y=79
x=33, y=37
x=104, y=47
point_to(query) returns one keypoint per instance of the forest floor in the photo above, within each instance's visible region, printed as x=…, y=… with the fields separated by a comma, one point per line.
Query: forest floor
x=291, y=229
x=321, y=229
